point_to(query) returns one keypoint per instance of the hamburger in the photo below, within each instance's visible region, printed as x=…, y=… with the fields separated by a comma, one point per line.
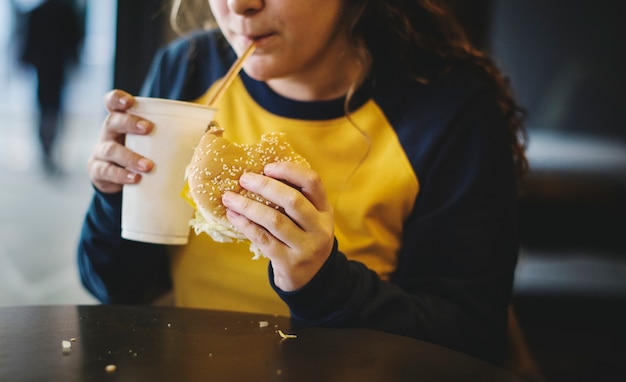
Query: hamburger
x=216, y=166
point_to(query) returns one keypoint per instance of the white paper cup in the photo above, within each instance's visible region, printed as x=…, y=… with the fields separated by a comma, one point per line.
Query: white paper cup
x=153, y=210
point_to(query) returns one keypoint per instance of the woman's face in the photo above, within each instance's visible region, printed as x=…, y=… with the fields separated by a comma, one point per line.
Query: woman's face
x=296, y=39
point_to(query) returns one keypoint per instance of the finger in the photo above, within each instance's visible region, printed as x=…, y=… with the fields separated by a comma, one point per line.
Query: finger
x=108, y=178
x=263, y=217
x=118, y=122
x=116, y=125
x=306, y=180
x=118, y=100
x=262, y=238
x=293, y=202
x=120, y=156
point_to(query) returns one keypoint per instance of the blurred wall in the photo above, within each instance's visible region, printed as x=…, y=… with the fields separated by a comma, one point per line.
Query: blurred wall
x=566, y=61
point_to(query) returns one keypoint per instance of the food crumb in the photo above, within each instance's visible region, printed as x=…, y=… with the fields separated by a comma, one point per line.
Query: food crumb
x=67, y=346
x=283, y=335
x=73, y=339
x=263, y=324
x=110, y=368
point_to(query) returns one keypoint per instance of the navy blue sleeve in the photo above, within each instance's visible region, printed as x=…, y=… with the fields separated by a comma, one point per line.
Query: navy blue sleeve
x=454, y=276
x=115, y=270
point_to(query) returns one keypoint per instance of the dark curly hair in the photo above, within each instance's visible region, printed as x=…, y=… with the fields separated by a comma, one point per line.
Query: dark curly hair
x=422, y=38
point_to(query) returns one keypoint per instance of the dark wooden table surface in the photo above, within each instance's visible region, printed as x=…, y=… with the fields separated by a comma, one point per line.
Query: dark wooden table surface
x=142, y=343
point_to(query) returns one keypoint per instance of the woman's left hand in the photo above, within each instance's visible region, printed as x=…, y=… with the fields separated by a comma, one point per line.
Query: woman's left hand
x=297, y=242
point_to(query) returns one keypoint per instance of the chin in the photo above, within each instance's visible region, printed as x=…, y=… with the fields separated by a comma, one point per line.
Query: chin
x=261, y=71
x=259, y=76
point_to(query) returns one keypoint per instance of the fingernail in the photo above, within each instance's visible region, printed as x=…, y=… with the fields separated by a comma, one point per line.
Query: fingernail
x=132, y=176
x=143, y=126
x=245, y=178
x=226, y=198
x=123, y=101
x=144, y=164
x=269, y=167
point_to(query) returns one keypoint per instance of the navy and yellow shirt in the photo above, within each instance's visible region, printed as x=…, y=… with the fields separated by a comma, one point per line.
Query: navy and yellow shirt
x=421, y=179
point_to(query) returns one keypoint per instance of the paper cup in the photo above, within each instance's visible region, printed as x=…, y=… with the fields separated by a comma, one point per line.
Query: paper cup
x=153, y=210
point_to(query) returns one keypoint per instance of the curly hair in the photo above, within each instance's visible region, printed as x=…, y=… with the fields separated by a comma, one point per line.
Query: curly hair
x=422, y=38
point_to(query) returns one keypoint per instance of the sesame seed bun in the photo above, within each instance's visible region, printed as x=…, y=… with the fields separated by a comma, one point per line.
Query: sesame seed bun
x=216, y=167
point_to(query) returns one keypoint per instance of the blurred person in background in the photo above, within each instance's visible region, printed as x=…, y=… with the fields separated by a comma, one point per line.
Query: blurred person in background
x=53, y=34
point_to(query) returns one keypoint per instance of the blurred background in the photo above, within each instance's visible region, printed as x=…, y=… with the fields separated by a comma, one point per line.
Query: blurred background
x=566, y=63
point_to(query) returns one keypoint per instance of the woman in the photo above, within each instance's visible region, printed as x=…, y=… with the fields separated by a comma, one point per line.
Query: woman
x=406, y=221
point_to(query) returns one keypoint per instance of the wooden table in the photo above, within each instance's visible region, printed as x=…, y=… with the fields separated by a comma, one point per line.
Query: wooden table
x=143, y=343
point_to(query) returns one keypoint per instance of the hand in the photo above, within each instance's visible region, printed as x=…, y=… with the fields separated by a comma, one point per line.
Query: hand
x=297, y=242
x=111, y=164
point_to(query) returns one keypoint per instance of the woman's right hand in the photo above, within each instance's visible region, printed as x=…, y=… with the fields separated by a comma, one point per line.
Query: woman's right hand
x=111, y=164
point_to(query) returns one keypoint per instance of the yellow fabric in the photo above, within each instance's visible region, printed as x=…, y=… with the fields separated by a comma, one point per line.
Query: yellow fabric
x=369, y=182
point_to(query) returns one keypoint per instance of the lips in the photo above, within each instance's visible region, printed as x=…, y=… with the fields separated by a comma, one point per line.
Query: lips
x=251, y=34
x=259, y=38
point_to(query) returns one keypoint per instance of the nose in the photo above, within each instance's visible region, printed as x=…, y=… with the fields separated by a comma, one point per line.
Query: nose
x=245, y=7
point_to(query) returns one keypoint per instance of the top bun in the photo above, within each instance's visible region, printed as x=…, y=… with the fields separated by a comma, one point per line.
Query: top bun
x=216, y=167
